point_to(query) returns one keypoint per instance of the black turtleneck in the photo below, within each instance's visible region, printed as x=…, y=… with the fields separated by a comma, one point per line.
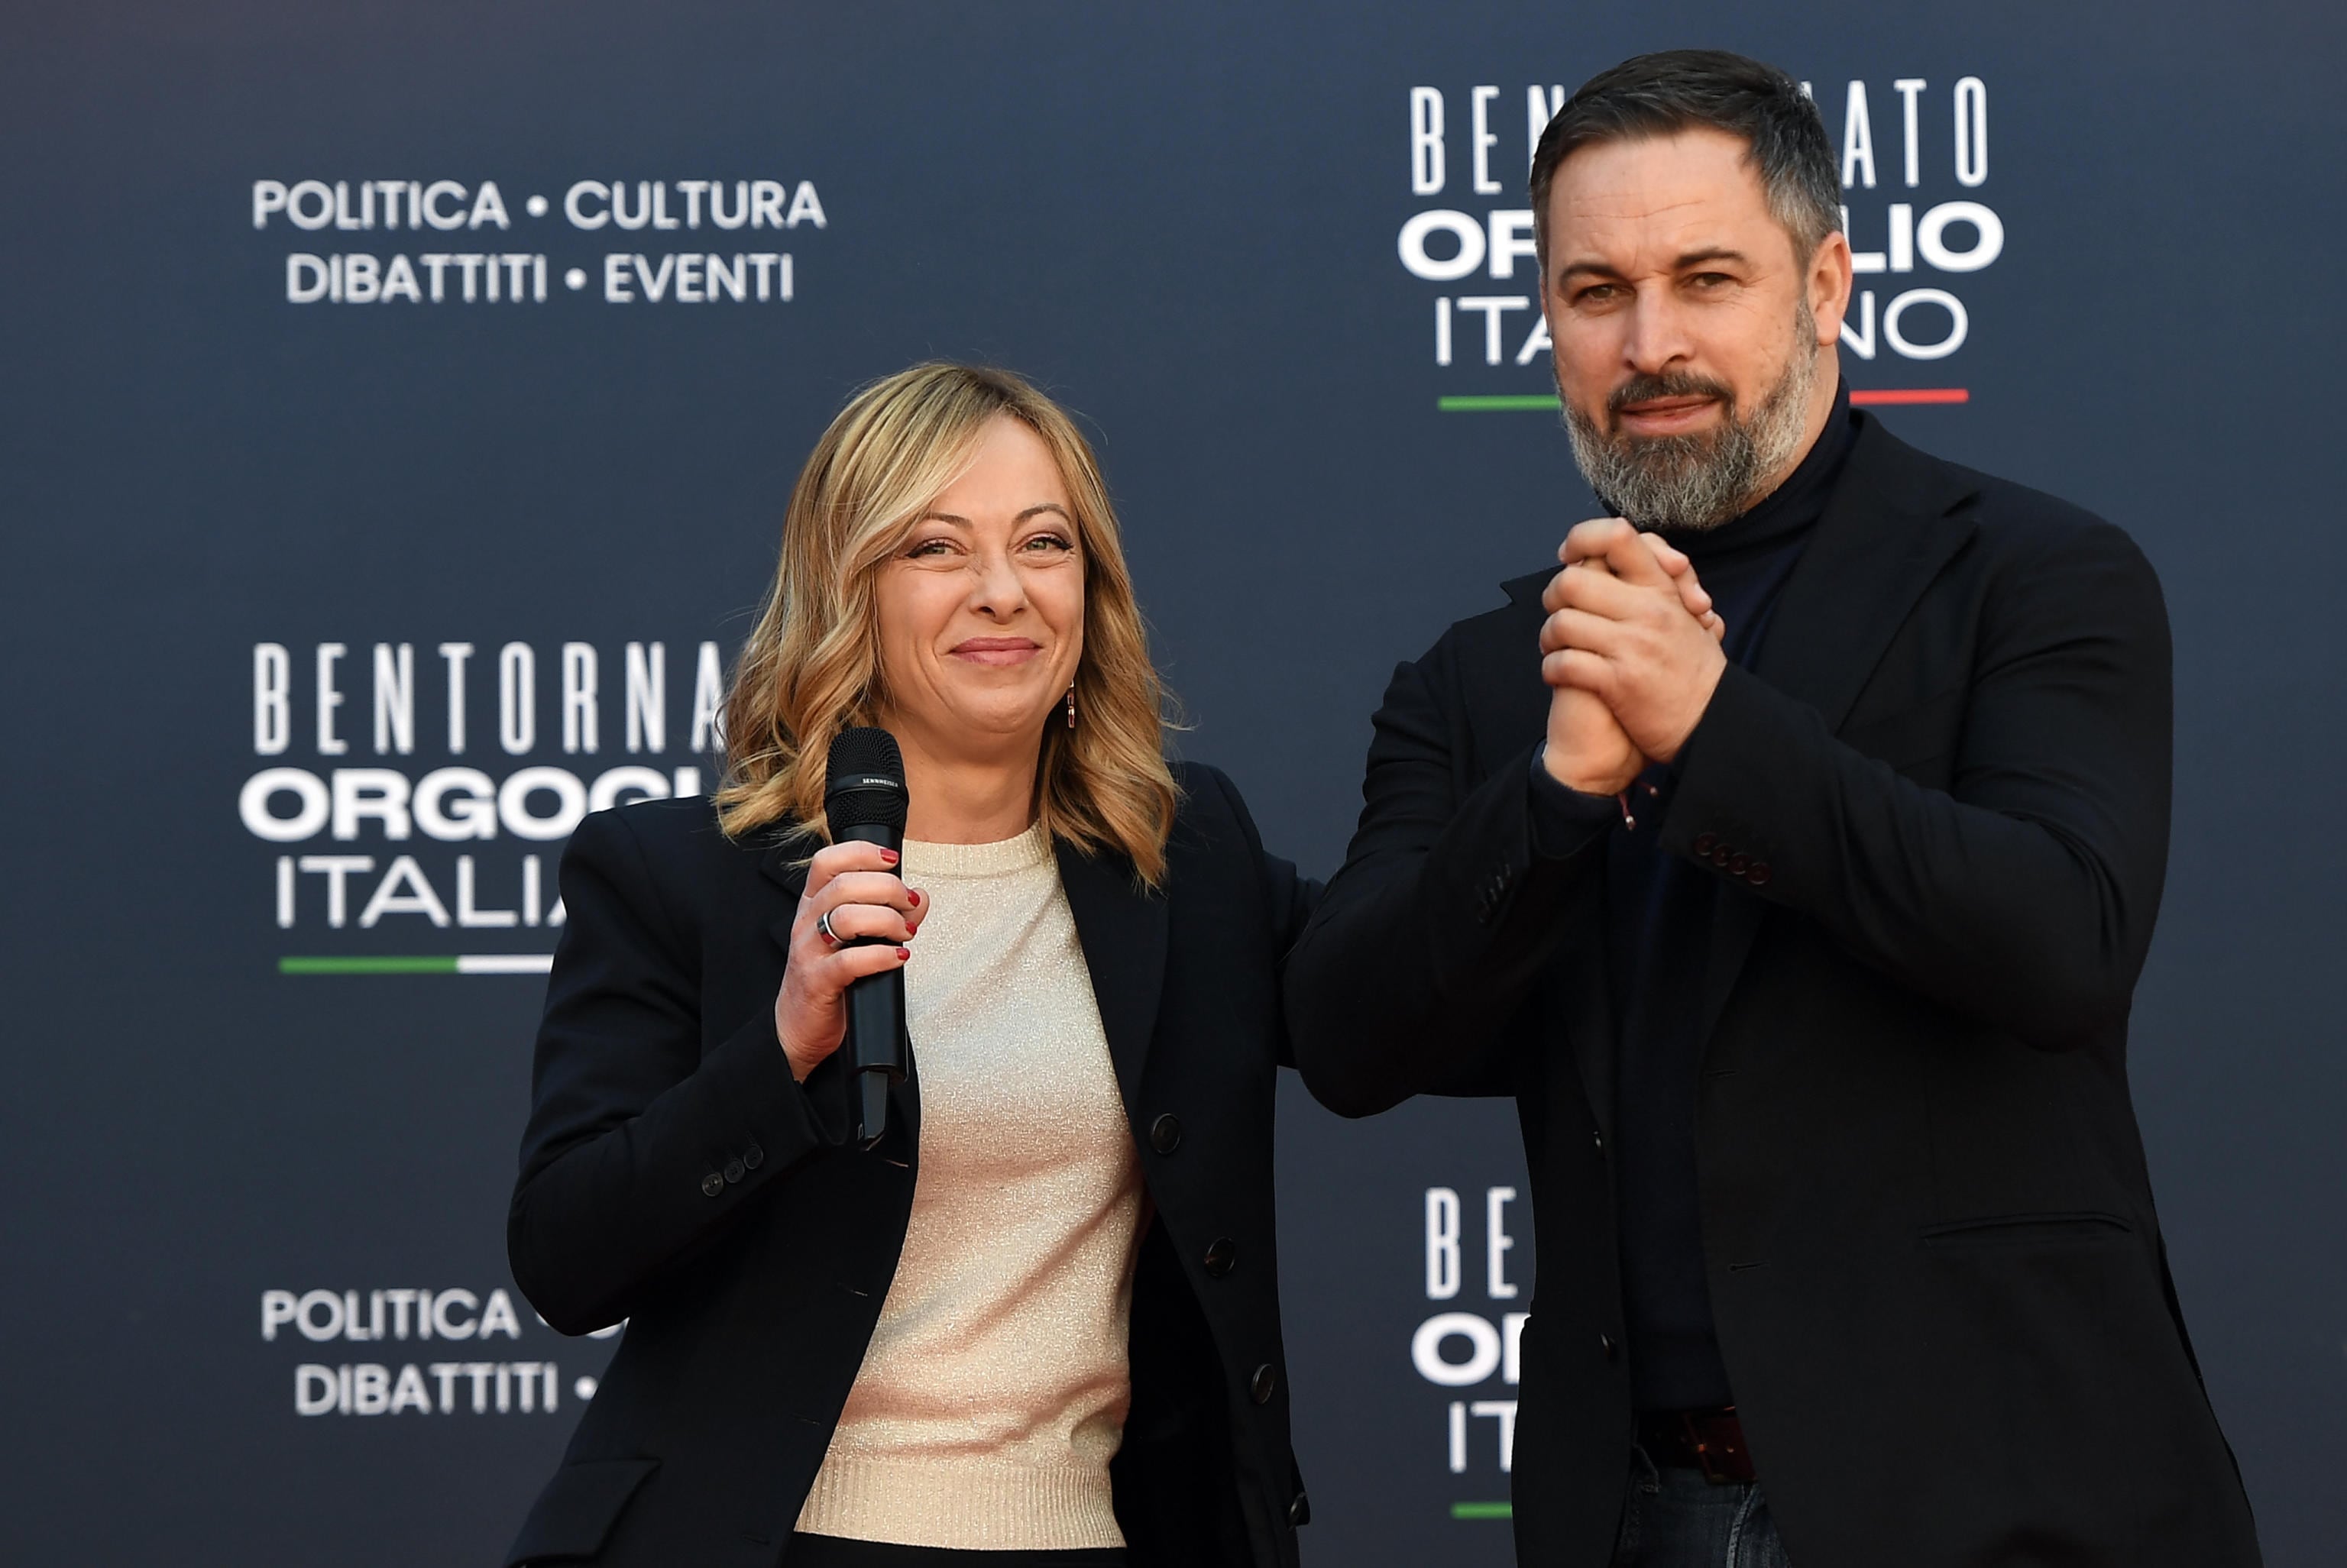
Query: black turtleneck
x=1659, y=913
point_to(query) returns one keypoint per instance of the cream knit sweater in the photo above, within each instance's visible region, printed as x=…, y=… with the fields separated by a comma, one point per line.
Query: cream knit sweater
x=994, y=1392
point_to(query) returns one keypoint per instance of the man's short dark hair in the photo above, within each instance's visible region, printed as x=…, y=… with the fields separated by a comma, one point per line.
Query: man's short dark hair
x=1689, y=89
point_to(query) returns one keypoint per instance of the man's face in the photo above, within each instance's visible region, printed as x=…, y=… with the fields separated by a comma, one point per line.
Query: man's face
x=1686, y=328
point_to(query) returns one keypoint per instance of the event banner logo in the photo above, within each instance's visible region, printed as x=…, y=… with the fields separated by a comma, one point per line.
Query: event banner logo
x=450, y=1352
x=413, y=800
x=1469, y=1346
x=715, y=240
x=1915, y=163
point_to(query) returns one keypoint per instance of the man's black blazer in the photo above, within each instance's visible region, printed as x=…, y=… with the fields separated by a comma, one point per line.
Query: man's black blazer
x=675, y=1176
x=1937, y=814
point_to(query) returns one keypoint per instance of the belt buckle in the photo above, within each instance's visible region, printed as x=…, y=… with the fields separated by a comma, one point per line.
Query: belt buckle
x=1718, y=1443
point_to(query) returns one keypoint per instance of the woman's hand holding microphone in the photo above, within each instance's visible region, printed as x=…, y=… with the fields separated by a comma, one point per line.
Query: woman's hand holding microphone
x=855, y=889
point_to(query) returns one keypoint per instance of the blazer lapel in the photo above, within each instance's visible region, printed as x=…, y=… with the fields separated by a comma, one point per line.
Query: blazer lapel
x=1586, y=1006
x=1885, y=534
x=783, y=863
x=1122, y=928
x=1509, y=704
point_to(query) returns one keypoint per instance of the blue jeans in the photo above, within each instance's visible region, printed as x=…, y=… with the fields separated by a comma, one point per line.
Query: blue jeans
x=1673, y=1518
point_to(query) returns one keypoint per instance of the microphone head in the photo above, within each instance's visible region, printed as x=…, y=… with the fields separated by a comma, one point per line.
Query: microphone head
x=864, y=783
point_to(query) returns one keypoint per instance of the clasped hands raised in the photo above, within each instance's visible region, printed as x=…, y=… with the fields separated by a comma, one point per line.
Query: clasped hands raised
x=1631, y=652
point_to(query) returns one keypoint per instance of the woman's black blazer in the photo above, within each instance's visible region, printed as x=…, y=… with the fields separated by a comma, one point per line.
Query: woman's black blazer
x=675, y=1176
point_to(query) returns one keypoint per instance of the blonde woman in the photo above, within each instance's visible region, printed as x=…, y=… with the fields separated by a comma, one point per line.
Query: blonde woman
x=1038, y=1323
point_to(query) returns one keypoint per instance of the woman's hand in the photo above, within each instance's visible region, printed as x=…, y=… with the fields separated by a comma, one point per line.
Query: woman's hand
x=857, y=886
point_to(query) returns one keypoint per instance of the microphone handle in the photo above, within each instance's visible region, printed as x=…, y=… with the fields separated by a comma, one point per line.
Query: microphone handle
x=875, y=1018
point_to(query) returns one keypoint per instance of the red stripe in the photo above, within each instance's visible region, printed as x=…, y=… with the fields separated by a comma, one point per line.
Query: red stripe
x=1910, y=394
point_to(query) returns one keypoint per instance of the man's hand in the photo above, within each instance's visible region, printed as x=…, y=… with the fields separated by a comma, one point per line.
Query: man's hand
x=1623, y=628
x=1580, y=547
x=1588, y=751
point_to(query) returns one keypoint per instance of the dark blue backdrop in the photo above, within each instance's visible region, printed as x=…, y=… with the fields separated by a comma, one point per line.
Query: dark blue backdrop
x=1186, y=222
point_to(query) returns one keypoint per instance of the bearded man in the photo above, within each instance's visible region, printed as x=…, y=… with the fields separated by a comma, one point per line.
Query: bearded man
x=1807, y=953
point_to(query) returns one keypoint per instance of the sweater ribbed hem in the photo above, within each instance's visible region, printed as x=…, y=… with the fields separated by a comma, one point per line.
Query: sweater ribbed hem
x=989, y=1506
x=922, y=859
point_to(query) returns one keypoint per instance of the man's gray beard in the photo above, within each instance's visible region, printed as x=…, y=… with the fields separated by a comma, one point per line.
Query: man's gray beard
x=1709, y=477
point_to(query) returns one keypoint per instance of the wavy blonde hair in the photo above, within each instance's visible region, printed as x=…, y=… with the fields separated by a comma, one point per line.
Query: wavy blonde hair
x=812, y=667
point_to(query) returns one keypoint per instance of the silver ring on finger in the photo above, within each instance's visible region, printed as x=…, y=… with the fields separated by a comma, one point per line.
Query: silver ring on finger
x=823, y=924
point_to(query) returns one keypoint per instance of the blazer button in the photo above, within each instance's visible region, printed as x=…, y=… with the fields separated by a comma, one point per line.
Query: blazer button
x=1704, y=841
x=1719, y=855
x=1262, y=1384
x=1165, y=1134
x=1600, y=1141
x=1738, y=864
x=1221, y=1255
x=753, y=1157
x=1605, y=1343
x=1299, y=1513
x=1758, y=875
x=712, y=1185
x=733, y=1170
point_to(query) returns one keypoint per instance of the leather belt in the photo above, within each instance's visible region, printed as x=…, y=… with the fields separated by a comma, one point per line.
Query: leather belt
x=1709, y=1441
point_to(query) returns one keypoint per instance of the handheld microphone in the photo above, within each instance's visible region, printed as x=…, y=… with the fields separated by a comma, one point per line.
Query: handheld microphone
x=864, y=801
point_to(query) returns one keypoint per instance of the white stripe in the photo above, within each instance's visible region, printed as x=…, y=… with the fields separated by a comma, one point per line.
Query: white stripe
x=504, y=962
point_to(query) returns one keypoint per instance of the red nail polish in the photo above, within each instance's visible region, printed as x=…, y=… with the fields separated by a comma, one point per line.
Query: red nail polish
x=913, y=895
x=904, y=952
x=888, y=857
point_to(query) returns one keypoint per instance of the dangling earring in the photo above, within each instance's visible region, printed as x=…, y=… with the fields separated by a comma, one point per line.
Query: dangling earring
x=1072, y=704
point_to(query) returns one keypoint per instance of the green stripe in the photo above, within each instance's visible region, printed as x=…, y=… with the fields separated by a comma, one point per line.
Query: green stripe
x=1509, y=402
x=434, y=964
x=1482, y=1511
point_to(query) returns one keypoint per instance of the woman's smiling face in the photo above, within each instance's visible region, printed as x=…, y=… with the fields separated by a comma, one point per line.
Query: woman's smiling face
x=981, y=609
